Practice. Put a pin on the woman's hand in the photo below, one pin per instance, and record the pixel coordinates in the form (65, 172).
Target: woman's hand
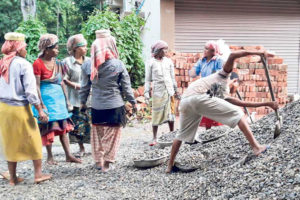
(43, 117)
(83, 107)
(77, 86)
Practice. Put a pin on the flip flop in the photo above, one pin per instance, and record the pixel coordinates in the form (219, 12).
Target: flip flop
(98, 168)
(153, 143)
(264, 151)
(174, 170)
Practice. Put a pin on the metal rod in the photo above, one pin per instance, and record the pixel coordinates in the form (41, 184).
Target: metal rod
(263, 59)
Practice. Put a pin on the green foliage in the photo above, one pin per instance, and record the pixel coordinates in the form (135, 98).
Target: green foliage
(127, 33)
(10, 15)
(63, 13)
(86, 7)
(33, 29)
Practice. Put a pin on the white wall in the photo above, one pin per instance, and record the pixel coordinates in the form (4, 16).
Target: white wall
(151, 32)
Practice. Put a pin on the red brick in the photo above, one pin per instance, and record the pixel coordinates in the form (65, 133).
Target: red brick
(278, 60)
(186, 72)
(190, 60)
(181, 72)
(254, 59)
(179, 84)
(249, 48)
(141, 90)
(244, 60)
(233, 47)
(176, 71)
(187, 78)
(177, 78)
(259, 71)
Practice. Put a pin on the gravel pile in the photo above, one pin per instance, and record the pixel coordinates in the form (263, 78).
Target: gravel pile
(272, 175)
(168, 137)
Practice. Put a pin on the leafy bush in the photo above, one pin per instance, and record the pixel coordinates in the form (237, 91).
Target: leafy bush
(127, 33)
(32, 29)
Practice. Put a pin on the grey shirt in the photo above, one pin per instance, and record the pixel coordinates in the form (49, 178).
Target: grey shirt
(110, 88)
(73, 74)
(21, 89)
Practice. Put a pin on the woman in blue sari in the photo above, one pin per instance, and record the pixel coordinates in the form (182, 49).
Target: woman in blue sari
(49, 73)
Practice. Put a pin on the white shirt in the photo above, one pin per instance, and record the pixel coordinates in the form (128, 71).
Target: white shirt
(161, 74)
(21, 88)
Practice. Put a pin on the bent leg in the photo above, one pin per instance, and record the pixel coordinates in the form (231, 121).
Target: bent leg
(244, 127)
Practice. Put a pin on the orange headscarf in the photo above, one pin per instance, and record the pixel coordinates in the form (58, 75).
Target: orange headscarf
(13, 44)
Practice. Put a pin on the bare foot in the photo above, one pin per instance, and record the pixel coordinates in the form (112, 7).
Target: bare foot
(51, 161)
(5, 175)
(15, 181)
(169, 169)
(261, 149)
(42, 178)
(73, 159)
(106, 167)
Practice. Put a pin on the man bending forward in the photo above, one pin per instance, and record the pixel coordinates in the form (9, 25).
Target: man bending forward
(197, 103)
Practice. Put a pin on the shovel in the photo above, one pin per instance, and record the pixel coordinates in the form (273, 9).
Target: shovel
(279, 118)
(246, 109)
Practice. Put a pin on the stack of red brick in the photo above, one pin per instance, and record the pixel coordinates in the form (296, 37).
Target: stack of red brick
(251, 72)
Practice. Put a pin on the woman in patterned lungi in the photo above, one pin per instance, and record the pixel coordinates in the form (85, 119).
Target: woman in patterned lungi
(49, 73)
(76, 46)
(160, 71)
(19, 133)
(110, 82)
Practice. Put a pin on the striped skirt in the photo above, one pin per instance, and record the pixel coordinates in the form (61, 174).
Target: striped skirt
(105, 141)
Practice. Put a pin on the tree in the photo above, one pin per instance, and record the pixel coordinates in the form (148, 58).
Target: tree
(86, 7)
(127, 32)
(10, 16)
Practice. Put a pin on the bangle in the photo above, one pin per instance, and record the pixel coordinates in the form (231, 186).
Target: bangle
(75, 86)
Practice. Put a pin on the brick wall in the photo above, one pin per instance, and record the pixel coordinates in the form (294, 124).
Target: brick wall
(254, 86)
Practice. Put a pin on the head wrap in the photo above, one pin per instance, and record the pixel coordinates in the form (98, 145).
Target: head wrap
(46, 41)
(160, 44)
(103, 48)
(212, 45)
(13, 44)
(74, 42)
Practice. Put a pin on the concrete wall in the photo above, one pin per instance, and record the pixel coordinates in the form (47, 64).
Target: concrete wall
(167, 13)
(151, 32)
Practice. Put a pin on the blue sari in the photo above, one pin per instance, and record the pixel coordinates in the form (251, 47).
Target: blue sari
(53, 96)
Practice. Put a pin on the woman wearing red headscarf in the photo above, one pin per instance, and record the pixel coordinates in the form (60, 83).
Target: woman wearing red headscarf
(209, 64)
(160, 71)
(19, 133)
(110, 85)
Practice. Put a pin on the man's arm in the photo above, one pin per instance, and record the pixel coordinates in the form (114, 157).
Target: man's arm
(228, 66)
(237, 102)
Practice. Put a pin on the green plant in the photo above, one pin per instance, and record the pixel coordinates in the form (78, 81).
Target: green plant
(127, 33)
(32, 29)
(10, 15)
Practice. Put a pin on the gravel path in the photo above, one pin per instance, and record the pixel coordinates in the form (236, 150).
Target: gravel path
(273, 175)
